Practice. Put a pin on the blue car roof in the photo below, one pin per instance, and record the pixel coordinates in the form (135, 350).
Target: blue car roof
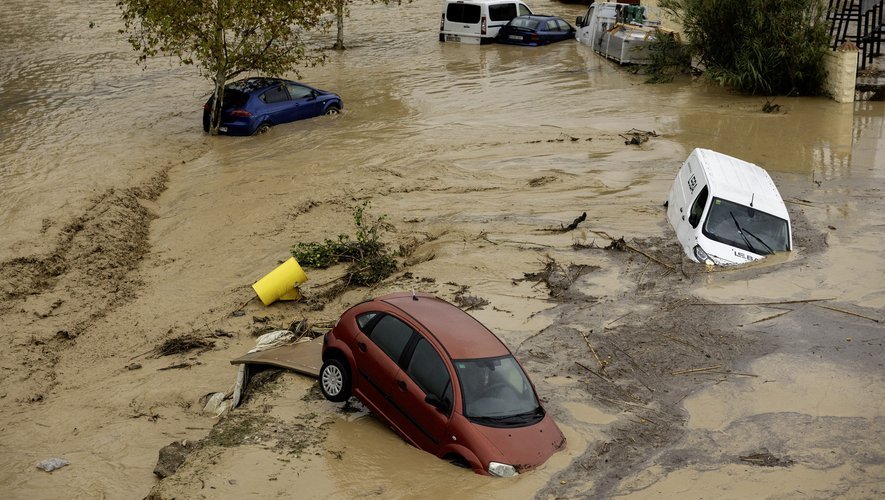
(249, 85)
(538, 17)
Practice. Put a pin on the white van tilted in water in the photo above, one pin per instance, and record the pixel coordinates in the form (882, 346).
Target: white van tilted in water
(477, 21)
(727, 211)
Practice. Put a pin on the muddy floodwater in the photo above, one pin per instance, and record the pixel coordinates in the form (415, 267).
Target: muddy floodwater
(125, 226)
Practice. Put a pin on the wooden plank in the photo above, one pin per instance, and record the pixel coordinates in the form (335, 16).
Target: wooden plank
(304, 358)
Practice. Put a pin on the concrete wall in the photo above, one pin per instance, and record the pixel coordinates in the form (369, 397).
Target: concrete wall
(841, 67)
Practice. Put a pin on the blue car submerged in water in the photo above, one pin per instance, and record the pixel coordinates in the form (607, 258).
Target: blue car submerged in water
(254, 105)
(535, 30)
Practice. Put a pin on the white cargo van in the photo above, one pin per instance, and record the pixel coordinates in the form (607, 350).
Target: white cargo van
(477, 21)
(619, 31)
(727, 211)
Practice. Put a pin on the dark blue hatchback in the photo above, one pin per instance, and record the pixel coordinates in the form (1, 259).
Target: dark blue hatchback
(535, 30)
(253, 105)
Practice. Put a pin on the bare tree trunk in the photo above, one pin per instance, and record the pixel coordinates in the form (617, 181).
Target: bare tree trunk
(220, 77)
(217, 103)
(339, 17)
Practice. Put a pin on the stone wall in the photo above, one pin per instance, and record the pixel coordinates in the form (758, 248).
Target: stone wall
(841, 67)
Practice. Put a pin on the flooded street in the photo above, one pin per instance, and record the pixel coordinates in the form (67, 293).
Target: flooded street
(125, 225)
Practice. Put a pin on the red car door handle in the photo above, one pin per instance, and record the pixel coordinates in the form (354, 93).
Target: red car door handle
(401, 384)
(362, 346)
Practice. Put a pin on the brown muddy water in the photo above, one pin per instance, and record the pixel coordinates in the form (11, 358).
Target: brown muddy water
(124, 226)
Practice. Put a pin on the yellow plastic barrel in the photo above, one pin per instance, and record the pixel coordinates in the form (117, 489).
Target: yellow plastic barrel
(280, 283)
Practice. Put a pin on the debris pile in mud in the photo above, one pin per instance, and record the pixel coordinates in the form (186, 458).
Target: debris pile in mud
(558, 279)
(182, 344)
(766, 459)
(468, 302)
(172, 456)
(637, 137)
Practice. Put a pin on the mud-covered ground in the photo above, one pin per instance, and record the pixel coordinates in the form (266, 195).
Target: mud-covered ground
(140, 234)
(625, 343)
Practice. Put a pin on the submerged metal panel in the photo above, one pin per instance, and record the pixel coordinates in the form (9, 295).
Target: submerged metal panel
(305, 358)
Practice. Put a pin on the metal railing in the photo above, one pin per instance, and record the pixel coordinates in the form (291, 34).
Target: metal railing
(860, 22)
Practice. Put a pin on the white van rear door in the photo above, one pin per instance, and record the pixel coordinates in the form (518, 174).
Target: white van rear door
(462, 19)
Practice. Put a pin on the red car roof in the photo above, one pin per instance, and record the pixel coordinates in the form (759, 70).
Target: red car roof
(459, 333)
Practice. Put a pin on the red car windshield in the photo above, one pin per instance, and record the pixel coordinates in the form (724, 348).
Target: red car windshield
(497, 392)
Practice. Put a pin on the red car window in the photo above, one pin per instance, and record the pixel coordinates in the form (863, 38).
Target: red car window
(391, 335)
(429, 371)
(364, 320)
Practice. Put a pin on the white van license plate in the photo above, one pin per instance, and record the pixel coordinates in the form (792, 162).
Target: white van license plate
(453, 38)
(515, 37)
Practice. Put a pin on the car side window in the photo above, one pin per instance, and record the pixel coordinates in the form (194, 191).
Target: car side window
(563, 26)
(429, 371)
(697, 208)
(551, 25)
(299, 91)
(276, 94)
(502, 12)
(364, 319)
(524, 10)
(391, 335)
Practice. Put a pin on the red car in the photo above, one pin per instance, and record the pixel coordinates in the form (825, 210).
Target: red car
(440, 379)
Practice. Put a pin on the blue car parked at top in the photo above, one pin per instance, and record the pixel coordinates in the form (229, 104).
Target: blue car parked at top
(535, 30)
(254, 105)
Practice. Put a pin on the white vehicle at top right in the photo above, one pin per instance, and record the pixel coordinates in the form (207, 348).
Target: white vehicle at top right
(727, 211)
(618, 31)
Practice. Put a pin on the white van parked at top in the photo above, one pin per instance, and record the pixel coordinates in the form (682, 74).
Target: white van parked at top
(477, 21)
(727, 211)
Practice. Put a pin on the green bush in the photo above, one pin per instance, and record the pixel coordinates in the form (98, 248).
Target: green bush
(370, 261)
(757, 46)
(668, 58)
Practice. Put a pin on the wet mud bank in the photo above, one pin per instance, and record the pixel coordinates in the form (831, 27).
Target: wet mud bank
(639, 366)
(51, 299)
(617, 339)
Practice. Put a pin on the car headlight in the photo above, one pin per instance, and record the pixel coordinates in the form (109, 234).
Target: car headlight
(502, 470)
(702, 256)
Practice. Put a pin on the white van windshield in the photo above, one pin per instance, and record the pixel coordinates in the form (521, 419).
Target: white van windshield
(746, 228)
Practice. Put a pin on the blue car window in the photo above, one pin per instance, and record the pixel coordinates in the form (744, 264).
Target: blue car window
(275, 94)
(551, 25)
(299, 91)
(563, 26)
(521, 22)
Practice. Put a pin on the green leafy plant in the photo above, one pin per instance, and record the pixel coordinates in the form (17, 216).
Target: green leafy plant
(757, 46)
(369, 258)
(668, 57)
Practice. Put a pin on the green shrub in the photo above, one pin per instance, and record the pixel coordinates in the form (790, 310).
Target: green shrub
(668, 57)
(758, 46)
(369, 258)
